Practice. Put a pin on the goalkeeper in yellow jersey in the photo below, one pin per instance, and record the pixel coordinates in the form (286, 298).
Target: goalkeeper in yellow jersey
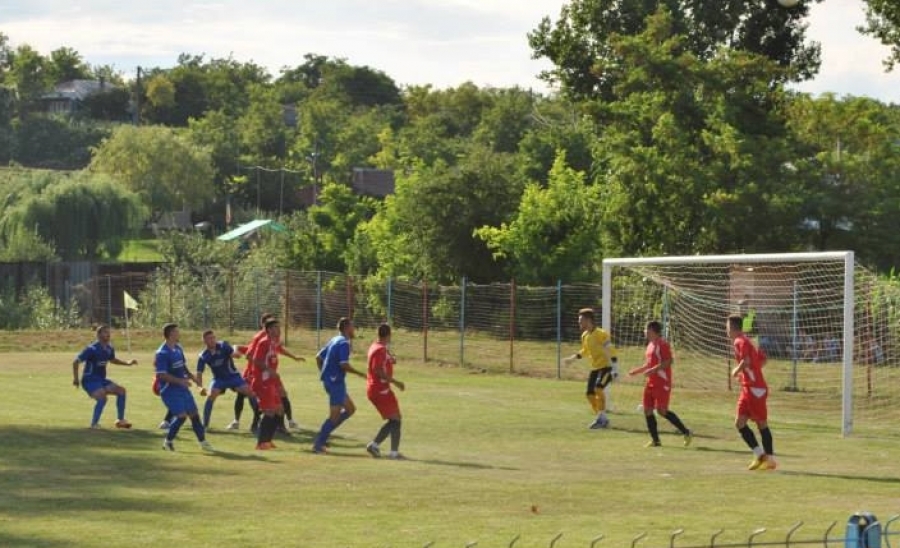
(596, 345)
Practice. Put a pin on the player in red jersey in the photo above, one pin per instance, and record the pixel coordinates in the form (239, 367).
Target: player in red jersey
(751, 403)
(264, 382)
(239, 400)
(378, 389)
(658, 389)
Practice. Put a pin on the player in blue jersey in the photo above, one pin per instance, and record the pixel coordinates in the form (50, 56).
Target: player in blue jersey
(175, 388)
(334, 362)
(219, 356)
(93, 379)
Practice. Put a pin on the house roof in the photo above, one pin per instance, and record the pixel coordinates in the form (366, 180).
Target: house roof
(247, 229)
(75, 90)
(373, 182)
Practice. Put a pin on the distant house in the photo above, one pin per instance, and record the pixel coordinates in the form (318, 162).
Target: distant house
(67, 96)
(373, 182)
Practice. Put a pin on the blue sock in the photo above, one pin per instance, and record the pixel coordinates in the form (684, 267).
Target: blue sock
(174, 428)
(207, 412)
(326, 430)
(120, 406)
(98, 410)
(344, 416)
(198, 428)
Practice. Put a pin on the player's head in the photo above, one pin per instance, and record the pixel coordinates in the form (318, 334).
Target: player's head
(209, 339)
(586, 319)
(653, 330)
(345, 327)
(264, 318)
(734, 325)
(103, 334)
(384, 332)
(170, 332)
(273, 328)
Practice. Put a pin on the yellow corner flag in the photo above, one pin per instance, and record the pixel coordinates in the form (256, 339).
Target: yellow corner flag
(130, 303)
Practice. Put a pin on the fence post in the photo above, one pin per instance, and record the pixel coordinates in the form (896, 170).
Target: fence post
(231, 301)
(108, 300)
(425, 321)
(390, 291)
(287, 299)
(205, 304)
(462, 322)
(512, 324)
(171, 297)
(558, 329)
(350, 296)
(256, 287)
(318, 309)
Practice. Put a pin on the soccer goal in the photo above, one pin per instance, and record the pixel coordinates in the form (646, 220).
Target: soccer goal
(825, 324)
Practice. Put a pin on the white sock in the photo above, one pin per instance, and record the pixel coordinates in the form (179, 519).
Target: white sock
(758, 452)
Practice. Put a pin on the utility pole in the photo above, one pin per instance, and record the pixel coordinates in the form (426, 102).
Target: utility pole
(136, 115)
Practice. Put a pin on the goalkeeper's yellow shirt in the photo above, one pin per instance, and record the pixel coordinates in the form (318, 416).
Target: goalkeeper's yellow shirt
(595, 344)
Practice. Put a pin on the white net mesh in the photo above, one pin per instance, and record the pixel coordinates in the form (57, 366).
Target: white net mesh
(794, 310)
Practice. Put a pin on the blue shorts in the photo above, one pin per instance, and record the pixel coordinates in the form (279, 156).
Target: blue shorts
(233, 381)
(179, 400)
(337, 393)
(92, 385)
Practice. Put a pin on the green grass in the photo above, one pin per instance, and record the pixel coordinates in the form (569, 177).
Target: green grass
(486, 448)
(140, 251)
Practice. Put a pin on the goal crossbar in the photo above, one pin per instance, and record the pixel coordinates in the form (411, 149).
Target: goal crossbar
(847, 257)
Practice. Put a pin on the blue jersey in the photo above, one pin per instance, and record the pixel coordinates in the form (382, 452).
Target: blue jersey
(333, 354)
(171, 361)
(219, 361)
(95, 358)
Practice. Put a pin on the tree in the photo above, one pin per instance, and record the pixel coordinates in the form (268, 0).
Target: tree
(164, 168)
(553, 235)
(883, 22)
(579, 42)
(83, 216)
(29, 74)
(67, 64)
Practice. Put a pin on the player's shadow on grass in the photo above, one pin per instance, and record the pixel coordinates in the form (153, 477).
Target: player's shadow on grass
(849, 477)
(31, 541)
(458, 464)
(61, 472)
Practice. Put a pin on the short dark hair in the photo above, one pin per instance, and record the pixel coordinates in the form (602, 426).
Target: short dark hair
(654, 326)
(265, 317)
(207, 332)
(343, 323)
(384, 330)
(736, 322)
(100, 328)
(168, 328)
(271, 322)
(587, 313)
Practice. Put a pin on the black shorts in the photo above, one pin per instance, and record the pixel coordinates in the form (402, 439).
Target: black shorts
(599, 379)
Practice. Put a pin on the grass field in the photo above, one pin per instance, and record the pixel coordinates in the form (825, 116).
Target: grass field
(140, 251)
(494, 456)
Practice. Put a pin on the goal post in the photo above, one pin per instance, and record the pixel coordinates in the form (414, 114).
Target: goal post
(793, 304)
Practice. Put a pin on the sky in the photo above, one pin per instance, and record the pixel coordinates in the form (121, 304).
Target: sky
(438, 42)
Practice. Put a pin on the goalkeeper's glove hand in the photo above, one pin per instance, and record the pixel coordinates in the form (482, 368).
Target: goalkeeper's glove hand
(568, 360)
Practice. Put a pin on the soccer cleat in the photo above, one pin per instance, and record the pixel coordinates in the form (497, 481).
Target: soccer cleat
(164, 425)
(653, 443)
(688, 438)
(293, 425)
(264, 446)
(206, 446)
(122, 423)
(168, 445)
(233, 425)
(319, 450)
(373, 449)
(601, 422)
(394, 455)
(757, 462)
(770, 463)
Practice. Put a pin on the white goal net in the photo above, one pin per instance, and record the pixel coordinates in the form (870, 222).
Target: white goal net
(828, 327)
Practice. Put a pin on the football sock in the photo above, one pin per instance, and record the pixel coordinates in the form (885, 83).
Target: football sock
(601, 401)
(207, 412)
(749, 437)
(174, 428)
(98, 410)
(120, 406)
(286, 403)
(592, 399)
(267, 426)
(198, 428)
(239, 406)
(676, 422)
(395, 435)
(169, 416)
(651, 427)
(385, 431)
(344, 416)
(768, 444)
(326, 430)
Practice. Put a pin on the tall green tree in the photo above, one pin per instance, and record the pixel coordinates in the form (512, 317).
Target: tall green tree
(67, 64)
(578, 43)
(165, 168)
(883, 22)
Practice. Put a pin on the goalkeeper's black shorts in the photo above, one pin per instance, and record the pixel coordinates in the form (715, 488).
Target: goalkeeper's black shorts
(599, 379)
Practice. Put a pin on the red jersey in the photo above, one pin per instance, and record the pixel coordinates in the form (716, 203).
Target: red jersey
(657, 352)
(265, 350)
(751, 374)
(379, 357)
